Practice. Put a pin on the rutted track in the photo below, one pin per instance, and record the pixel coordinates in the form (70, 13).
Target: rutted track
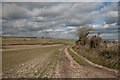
(55, 63)
(68, 68)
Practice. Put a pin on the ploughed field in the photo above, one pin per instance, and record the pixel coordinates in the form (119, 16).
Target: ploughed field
(45, 58)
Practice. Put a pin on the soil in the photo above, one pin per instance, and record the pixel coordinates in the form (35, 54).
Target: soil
(46, 66)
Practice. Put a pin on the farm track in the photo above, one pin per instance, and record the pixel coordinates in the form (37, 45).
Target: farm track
(69, 68)
(48, 65)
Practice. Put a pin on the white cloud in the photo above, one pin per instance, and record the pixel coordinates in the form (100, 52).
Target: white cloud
(54, 19)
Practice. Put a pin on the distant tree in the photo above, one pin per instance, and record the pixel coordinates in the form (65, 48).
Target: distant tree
(83, 32)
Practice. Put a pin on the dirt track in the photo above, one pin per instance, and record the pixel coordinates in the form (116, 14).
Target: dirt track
(63, 66)
(68, 68)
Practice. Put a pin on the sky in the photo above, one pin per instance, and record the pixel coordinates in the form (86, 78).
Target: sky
(59, 19)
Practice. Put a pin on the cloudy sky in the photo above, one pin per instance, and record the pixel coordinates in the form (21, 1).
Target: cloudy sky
(59, 19)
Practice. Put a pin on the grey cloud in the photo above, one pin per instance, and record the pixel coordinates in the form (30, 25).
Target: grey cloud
(13, 11)
(111, 17)
(51, 19)
(70, 13)
(110, 36)
(111, 13)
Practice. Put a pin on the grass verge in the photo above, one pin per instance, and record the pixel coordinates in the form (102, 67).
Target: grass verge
(76, 58)
(95, 58)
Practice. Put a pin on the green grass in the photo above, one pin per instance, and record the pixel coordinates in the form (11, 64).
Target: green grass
(94, 57)
(76, 58)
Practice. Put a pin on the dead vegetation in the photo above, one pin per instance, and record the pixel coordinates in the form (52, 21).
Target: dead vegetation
(94, 48)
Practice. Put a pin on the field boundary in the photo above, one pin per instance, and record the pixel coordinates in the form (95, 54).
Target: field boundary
(94, 64)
